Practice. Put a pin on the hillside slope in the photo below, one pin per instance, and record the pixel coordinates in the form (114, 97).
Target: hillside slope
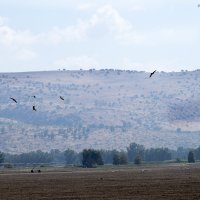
(101, 109)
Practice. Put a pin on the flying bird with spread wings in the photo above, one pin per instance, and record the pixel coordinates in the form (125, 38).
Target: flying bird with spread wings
(13, 99)
(152, 73)
(34, 109)
(62, 98)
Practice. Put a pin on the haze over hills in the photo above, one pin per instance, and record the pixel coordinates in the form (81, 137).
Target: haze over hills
(101, 109)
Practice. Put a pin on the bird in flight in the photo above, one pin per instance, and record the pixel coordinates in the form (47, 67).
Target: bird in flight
(61, 98)
(152, 73)
(13, 99)
(34, 108)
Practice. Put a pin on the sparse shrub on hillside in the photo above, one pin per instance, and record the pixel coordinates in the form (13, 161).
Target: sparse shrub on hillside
(178, 130)
(2, 130)
(112, 128)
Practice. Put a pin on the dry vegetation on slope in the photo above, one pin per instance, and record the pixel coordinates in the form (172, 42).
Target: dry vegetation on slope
(102, 109)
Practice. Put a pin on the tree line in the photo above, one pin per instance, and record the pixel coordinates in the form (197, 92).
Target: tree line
(134, 153)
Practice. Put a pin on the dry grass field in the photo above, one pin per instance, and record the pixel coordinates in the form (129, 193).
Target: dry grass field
(170, 181)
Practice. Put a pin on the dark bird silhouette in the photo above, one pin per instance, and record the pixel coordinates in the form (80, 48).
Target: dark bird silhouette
(13, 99)
(152, 73)
(32, 170)
(61, 98)
(34, 108)
(31, 96)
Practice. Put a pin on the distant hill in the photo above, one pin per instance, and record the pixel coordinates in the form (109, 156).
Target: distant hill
(101, 109)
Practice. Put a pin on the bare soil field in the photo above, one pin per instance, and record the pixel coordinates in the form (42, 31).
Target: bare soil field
(170, 181)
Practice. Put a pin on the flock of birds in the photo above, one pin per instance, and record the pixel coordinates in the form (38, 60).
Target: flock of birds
(61, 97)
(33, 107)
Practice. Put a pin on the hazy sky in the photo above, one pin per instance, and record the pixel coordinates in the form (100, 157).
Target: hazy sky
(73, 34)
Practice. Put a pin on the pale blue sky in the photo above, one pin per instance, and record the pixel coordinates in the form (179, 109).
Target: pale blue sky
(123, 34)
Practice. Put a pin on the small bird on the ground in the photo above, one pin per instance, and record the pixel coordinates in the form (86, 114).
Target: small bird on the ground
(13, 99)
(34, 108)
(152, 73)
(62, 98)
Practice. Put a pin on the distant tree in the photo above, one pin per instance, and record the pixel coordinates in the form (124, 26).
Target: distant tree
(116, 159)
(181, 153)
(8, 166)
(1, 157)
(57, 155)
(191, 158)
(91, 158)
(107, 156)
(178, 160)
(123, 158)
(137, 160)
(41, 157)
(120, 158)
(31, 157)
(157, 154)
(197, 153)
(71, 156)
(134, 150)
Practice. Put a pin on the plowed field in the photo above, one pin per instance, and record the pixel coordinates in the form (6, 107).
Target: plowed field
(180, 181)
